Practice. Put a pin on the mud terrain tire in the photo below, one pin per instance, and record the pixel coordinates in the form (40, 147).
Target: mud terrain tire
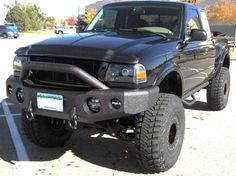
(218, 90)
(45, 131)
(159, 134)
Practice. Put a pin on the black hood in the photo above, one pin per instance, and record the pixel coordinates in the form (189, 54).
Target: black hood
(110, 47)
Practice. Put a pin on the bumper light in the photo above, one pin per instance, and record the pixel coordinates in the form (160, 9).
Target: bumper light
(20, 95)
(116, 104)
(94, 105)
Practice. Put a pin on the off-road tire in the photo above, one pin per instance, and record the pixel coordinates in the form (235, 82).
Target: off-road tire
(159, 134)
(46, 131)
(218, 90)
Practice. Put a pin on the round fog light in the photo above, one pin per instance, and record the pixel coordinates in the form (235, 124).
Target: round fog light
(116, 104)
(20, 95)
(94, 105)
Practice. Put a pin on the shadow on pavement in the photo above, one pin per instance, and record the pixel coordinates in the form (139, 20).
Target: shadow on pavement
(108, 152)
(102, 151)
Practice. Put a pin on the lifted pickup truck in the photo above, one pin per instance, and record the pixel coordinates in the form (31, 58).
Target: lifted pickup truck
(128, 73)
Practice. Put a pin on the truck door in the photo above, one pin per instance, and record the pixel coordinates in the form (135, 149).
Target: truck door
(208, 51)
(194, 62)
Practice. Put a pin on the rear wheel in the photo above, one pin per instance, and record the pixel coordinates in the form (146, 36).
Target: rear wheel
(160, 133)
(46, 131)
(218, 90)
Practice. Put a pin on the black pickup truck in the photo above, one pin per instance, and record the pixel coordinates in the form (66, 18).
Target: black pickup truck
(128, 73)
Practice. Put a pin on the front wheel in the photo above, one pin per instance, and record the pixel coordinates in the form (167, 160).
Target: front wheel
(46, 131)
(5, 36)
(218, 90)
(159, 134)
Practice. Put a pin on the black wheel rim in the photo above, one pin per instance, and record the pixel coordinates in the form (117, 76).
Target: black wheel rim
(225, 89)
(172, 134)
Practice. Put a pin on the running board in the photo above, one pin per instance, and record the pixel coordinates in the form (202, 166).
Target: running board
(191, 93)
(190, 102)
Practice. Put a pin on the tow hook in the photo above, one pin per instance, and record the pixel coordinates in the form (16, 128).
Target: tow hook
(30, 112)
(73, 123)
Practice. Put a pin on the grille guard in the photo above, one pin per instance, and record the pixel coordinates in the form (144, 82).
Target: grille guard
(62, 68)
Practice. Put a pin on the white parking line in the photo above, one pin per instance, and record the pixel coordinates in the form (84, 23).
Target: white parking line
(17, 141)
(3, 115)
(26, 169)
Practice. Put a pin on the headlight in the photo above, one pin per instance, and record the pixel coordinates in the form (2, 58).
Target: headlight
(17, 64)
(126, 73)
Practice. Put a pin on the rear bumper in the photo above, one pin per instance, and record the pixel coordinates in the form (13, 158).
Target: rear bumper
(132, 101)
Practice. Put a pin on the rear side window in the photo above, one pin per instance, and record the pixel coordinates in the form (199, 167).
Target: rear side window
(193, 21)
(205, 24)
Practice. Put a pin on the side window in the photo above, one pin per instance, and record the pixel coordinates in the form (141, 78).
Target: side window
(2, 28)
(193, 21)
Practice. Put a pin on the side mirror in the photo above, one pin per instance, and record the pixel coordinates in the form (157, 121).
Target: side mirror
(198, 35)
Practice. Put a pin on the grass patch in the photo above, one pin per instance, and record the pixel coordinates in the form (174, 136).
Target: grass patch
(46, 32)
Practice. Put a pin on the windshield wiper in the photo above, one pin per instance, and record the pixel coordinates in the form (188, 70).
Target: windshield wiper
(98, 30)
(148, 31)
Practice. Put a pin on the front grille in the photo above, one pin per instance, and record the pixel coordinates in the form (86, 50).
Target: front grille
(63, 79)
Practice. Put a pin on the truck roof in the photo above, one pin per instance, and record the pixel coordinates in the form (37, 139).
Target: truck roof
(151, 2)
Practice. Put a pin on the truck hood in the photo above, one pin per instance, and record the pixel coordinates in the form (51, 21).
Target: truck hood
(109, 47)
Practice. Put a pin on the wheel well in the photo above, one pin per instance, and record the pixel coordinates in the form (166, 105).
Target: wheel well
(172, 84)
(226, 62)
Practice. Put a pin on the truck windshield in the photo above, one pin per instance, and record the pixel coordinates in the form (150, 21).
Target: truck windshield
(164, 20)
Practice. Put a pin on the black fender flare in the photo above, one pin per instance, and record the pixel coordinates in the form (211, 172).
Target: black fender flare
(221, 52)
(166, 69)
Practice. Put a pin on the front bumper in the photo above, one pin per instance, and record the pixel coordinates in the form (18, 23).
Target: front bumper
(13, 35)
(132, 101)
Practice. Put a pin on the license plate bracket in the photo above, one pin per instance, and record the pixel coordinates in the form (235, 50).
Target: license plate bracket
(51, 102)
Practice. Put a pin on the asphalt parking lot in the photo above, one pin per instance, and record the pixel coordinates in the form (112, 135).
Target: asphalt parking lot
(209, 147)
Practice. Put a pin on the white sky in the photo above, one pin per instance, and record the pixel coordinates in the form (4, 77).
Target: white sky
(57, 8)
